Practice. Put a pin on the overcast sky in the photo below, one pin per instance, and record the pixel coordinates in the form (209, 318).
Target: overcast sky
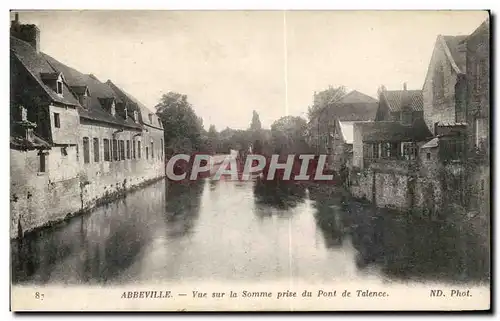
(232, 62)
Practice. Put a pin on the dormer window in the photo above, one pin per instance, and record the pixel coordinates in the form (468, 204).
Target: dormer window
(113, 108)
(126, 113)
(150, 118)
(59, 87)
(54, 80)
(136, 116)
(83, 94)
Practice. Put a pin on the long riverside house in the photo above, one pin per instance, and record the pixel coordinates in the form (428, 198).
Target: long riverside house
(75, 141)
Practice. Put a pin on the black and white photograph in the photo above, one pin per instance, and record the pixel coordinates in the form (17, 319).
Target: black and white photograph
(250, 160)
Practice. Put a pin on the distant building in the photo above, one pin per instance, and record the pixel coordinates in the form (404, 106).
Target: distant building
(74, 141)
(331, 132)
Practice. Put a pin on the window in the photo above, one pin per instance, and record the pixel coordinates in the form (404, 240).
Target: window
(409, 151)
(394, 150)
(122, 150)
(139, 149)
(113, 108)
(152, 150)
(59, 87)
(375, 150)
(147, 153)
(64, 151)
(150, 118)
(96, 150)
(115, 150)
(107, 154)
(57, 120)
(133, 149)
(481, 131)
(386, 150)
(128, 149)
(161, 148)
(86, 151)
(428, 156)
(42, 165)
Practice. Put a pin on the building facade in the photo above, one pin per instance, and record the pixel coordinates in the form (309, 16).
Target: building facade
(74, 142)
(478, 119)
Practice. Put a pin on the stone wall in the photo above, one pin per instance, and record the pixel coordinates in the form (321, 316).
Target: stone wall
(437, 108)
(36, 200)
(69, 185)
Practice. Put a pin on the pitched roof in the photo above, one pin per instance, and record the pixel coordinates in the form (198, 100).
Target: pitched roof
(100, 92)
(357, 97)
(397, 99)
(456, 53)
(433, 143)
(390, 131)
(40, 69)
(143, 110)
(354, 106)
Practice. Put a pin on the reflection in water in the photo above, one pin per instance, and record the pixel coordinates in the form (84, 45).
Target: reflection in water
(227, 230)
(328, 214)
(182, 207)
(279, 195)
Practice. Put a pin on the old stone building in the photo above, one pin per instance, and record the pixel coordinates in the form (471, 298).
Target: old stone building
(445, 88)
(414, 155)
(478, 119)
(75, 141)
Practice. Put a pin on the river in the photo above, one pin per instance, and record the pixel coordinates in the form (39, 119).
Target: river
(231, 231)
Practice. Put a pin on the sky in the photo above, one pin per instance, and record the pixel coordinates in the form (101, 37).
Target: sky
(230, 63)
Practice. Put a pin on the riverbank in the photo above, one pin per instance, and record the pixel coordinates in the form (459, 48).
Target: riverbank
(81, 192)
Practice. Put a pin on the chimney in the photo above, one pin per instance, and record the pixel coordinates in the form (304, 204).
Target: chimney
(404, 86)
(27, 33)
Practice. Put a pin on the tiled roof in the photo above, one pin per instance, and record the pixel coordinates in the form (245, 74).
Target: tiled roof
(38, 67)
(99, 93)
(391, 131)
(397, 99)
(143, 110)
(457, 46)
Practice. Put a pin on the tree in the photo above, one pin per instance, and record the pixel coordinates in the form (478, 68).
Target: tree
(289, 135)
(182, 127)
(323, 99)
(255, 125)
(213, 141)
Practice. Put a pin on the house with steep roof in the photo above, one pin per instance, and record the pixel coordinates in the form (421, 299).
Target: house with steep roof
(445, 98)
(74, 139)
(332, 133)
(396, 133)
